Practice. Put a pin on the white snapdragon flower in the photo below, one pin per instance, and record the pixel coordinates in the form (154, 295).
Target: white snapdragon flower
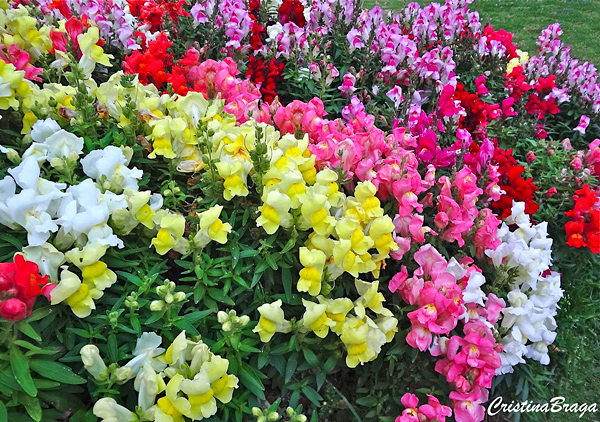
(146, 349)
(7, 190)
(108, 410)
(62, 144)
(534, 296)
(86, 210)
(111, 163)
(273, 31)
(29, 210)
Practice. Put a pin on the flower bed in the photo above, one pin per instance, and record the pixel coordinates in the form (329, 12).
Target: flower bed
(283, 210)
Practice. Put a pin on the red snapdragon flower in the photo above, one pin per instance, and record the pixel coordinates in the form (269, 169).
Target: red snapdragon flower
(20, 285)
(584, 229)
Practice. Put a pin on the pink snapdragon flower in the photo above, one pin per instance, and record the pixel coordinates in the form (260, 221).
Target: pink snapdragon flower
(584, 121)
(347, 87)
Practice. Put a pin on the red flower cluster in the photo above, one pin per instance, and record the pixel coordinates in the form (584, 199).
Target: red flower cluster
(152, 12)
(511, 182)
(538, 102)
(505, 38)
(584, 230)
(479, 113)
(292, 11)
(20, 285)
(266, 74)
(153, 64)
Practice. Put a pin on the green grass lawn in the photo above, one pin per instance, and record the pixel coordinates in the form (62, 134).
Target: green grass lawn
(579, 19)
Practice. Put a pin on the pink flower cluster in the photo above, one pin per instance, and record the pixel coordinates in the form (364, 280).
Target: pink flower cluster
(435, 292)
(445, 293)
(433, 411)
(21, 60)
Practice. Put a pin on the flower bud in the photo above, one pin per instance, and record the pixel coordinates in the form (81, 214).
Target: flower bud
(162, 291)
(157, 305)
(179, 297)
(90, 355)
(13, 156)
(72, 158)
(227, 326)
(123, 374)
(244, 320)
(128, 153)
(256, 412)
(169, 298)
(57, 163)
(222, 317)
(170, 372)
(273, 417)
(13, 309)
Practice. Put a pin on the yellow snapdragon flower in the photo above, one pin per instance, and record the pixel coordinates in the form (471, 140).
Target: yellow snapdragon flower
(212, 382)
(337, 309)
(172, 407)
(234, 173)
(170, 233)
(274, 213)
(92, 53)
(79, 296)
(211, 227)
(316, 318)
(355, 336)
(380, 231)
(365, 195)
(315, 212)
(271, 321)
(10, 81)
(370, 298)
(311, 274)
(94, 272)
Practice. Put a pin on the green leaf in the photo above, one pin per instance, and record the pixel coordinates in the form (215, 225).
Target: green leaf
(113, 348)
(311, 358)
(3, 413)
(184, 324)
(26, 329)
(20, 368)
(39, 314)
(32, 406)
(7, 379)
(220, 296)
(290, 368)
(196, 316)
(251, 382)
(312, 395)
(56, 371)
(286, 278)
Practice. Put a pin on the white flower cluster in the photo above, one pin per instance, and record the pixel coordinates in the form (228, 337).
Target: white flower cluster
(75, 214)
(525, 256)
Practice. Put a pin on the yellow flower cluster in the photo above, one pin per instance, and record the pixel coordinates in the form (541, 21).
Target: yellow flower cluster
(517, 61)
(19, 28)
(197, 378)
(12, 86)
(362, 335)
(80, 294)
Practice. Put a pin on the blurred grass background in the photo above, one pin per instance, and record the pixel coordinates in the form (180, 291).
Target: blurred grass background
(525, 19)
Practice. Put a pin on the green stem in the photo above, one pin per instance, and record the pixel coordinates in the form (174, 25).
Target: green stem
(345, 401)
